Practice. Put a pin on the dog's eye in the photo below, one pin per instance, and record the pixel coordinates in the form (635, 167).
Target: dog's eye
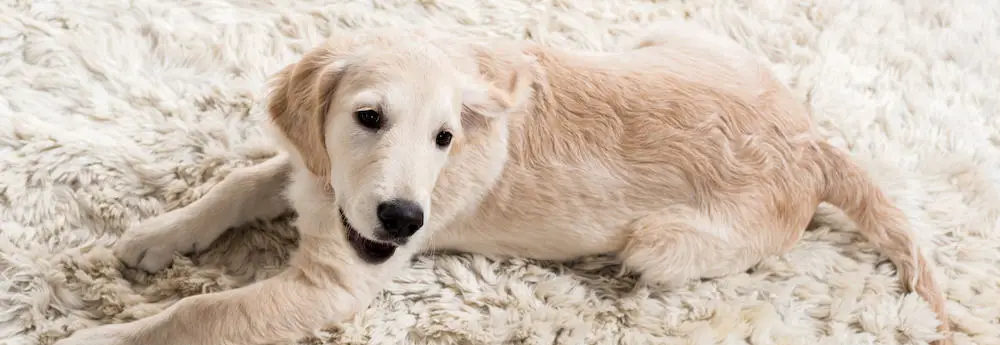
(369, 118)
(443, 138)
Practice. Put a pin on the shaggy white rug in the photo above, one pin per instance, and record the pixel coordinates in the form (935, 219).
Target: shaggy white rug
(113, 111)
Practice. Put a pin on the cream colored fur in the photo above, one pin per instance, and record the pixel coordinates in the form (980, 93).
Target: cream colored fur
(685, 157)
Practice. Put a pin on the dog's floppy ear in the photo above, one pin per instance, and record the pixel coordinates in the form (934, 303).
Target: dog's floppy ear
(299, 101)
(503, 83)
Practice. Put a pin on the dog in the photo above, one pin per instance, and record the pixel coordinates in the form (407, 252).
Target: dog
(683, 155)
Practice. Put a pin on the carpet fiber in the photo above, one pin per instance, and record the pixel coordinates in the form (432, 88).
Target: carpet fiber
(114, 111)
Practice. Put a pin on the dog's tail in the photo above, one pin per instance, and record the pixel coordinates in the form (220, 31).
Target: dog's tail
(848, 187)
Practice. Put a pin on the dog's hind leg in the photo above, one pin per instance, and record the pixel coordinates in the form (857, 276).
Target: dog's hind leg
(246, 194)
(680, 244)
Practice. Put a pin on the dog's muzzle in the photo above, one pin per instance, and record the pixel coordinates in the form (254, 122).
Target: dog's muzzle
(373, 252)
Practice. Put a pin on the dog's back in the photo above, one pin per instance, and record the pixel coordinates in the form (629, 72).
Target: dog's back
(611, 137)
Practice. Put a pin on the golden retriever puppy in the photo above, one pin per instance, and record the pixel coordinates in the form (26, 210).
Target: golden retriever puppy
(684, 156)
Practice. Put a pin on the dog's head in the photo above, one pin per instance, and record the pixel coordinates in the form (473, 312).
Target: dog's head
(379, 114)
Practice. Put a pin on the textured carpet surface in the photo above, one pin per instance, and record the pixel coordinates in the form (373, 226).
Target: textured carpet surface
(114, 111)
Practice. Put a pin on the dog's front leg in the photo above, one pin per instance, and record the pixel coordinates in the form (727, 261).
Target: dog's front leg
(248, 193)
(326, 282)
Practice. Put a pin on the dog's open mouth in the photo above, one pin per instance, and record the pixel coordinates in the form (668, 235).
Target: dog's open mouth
(370, 251)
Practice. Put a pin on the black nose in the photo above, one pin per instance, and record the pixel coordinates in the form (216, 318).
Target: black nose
(400, 218)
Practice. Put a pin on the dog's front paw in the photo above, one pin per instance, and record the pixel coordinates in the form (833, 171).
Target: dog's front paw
(150, 246)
